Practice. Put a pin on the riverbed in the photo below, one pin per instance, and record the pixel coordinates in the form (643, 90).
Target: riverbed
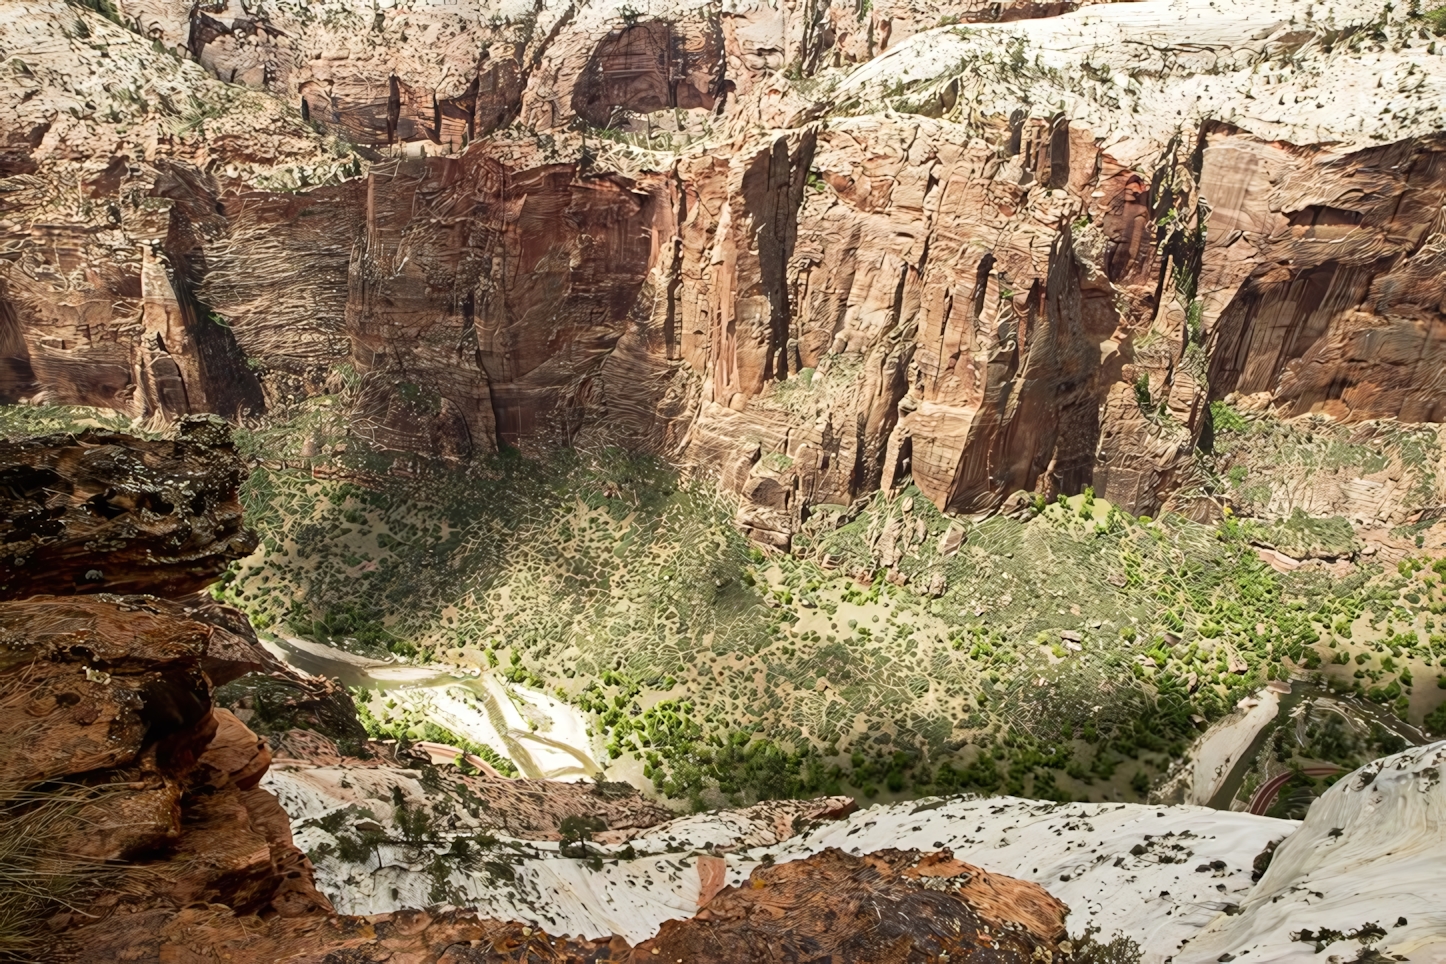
(544, 737)
(1362, 712)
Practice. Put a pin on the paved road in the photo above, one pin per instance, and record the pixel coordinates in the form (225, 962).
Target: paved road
(1265, 796)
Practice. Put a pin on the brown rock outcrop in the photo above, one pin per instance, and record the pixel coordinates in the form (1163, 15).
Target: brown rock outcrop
(107, 693)
(101, 512)
(109, 699)
(273, 697)
(1326, 291)
(886, 908)
(889, 906)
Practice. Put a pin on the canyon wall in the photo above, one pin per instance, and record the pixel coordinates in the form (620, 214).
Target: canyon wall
(136, 828)
(808, 249)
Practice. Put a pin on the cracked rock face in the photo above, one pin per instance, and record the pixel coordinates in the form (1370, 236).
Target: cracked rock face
(888, 906)
(809, 250)
(102, 512)
(107, 696)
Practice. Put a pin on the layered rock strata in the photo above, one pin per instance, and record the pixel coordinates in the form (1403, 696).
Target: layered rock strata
(1065, 237)
(108, 697)
(102, 512)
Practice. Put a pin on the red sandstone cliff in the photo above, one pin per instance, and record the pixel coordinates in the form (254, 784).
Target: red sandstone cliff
(980, 293)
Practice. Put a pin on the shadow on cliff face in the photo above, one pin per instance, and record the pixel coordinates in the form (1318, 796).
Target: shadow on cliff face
(17, 376)
(651, 66)
(209, 362)
(132, 825)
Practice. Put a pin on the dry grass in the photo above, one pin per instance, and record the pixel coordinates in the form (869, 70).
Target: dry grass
(38, 881)
(38, 876)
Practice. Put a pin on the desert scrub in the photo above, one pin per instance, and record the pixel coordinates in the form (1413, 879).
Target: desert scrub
(716, 671)
(20, 421)
(407, 724)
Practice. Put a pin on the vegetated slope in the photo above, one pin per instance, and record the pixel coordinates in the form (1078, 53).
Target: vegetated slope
(1059, 654)
(132, 825)
(140, 669)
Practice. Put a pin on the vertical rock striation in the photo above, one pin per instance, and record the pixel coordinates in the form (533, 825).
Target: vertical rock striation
(700, 232)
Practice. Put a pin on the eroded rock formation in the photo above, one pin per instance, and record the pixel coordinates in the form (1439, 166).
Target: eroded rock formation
(107, 693)
(889, 906)
(135, 801)
(895, 907)
(101, 512)
(691, 231)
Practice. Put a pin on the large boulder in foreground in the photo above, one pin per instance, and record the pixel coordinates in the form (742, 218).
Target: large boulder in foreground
(894, 905)
(114, 761)
(104, 512)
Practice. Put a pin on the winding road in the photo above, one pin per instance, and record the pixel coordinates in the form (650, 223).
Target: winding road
(1265, 795)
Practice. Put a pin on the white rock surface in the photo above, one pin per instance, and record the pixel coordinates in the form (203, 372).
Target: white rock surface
(1372, 851)
(1082, 853)
(1176, 879)
(1085, 854)
(1140, 73)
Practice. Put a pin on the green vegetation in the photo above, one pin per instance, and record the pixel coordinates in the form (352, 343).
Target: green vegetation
(1257, 462)
(406, 725)
(719, 673)
(1226, 419)
(1142, 393)
(1090, 949)
(1300, 536)
(1317, 737)
(894, 652)
(18, 421)
(1436, 721)
(106, 8)
(576, 833)
(1436, 18)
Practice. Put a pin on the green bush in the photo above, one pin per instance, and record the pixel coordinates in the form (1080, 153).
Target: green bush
(1226, 419)
(1436, 720)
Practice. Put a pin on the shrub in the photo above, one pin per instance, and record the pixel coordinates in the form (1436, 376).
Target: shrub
(576, 832)
(1143, 393)
(1223, 418)
(1436, 720)
(1089, 949)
